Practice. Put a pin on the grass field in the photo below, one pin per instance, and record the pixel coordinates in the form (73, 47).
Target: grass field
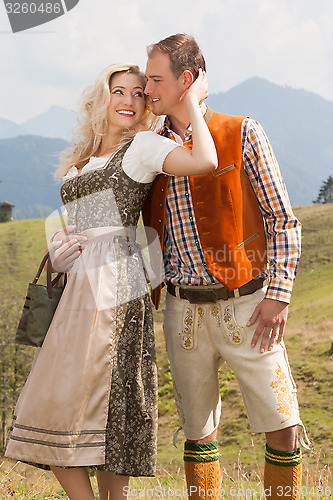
(308, 336)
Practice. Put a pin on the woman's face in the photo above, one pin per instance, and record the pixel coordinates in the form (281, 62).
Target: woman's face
(127, 103)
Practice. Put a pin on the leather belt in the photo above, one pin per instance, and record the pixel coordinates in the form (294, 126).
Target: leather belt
(212, 293)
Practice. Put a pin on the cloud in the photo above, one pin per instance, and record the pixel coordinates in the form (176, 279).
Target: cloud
(286, 42)
(280, 42)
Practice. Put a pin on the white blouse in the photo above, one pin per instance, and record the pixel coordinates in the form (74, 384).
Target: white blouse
(142, 161)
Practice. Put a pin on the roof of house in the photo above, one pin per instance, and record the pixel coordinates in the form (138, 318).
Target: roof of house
(6, 203)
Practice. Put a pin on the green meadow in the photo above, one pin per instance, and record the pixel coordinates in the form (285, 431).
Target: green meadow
(309, 338)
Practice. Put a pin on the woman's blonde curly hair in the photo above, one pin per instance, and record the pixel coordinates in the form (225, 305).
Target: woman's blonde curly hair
(92, 122)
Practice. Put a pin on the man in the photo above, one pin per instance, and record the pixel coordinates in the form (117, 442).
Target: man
(231, 246)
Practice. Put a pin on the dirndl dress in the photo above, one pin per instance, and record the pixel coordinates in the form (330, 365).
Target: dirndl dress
(91, 396)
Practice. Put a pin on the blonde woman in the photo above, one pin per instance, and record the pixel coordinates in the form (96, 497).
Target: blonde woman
(91, 397)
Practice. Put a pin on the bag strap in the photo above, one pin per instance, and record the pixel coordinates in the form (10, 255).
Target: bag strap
(41, 267)
(49, 282)
(57, 278)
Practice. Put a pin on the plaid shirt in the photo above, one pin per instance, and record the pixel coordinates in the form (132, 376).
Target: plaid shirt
(184, 259)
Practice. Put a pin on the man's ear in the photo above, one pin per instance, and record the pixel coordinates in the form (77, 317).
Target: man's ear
(188, 78)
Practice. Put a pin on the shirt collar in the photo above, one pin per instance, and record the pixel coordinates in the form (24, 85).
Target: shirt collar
(167, 131)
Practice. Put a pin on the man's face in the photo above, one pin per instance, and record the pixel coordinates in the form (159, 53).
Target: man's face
(163, 88)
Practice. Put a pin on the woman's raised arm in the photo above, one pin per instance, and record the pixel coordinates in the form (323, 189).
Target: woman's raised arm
(202, 158)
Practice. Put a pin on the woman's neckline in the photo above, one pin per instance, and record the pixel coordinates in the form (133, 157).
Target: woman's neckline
(106, 158)
(112, 153)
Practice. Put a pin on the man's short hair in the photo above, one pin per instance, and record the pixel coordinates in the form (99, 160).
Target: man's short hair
(183, 51)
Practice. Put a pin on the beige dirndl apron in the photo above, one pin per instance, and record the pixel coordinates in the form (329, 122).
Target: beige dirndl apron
(62, 412)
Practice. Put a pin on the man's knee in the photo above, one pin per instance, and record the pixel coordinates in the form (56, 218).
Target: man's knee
(283, 439)
(206, 439)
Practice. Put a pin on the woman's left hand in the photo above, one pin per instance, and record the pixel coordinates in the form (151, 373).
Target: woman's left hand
(64, 254)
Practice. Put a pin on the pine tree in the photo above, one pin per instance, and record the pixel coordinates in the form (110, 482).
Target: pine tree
(325, 192)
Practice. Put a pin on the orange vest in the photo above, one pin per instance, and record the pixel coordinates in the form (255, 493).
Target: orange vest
(229, 221)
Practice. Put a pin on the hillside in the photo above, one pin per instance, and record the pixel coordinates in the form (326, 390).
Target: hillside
(308, 338)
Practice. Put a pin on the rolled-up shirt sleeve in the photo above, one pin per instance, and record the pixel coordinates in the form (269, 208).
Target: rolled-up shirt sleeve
(283, 229)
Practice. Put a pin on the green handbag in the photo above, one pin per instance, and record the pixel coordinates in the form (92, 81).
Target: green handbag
(39, 307)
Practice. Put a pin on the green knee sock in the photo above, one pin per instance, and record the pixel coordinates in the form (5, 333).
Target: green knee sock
(203, 452)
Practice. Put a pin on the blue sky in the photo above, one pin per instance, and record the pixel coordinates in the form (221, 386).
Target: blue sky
(288, 42)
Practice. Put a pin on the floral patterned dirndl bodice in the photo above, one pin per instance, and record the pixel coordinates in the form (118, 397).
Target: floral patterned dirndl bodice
(106, 196)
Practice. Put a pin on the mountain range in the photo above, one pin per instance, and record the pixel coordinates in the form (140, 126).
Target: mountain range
(297, 122)
(56, 122)
(27, 163)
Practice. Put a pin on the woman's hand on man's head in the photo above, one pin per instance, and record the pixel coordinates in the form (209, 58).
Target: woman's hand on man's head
(199, 88)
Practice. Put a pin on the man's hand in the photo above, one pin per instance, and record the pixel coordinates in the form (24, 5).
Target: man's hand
(65, 248)
(272, 315)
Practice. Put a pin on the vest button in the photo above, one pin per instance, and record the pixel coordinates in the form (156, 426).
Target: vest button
(162, 190)
(160, 204)
(160, 221)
